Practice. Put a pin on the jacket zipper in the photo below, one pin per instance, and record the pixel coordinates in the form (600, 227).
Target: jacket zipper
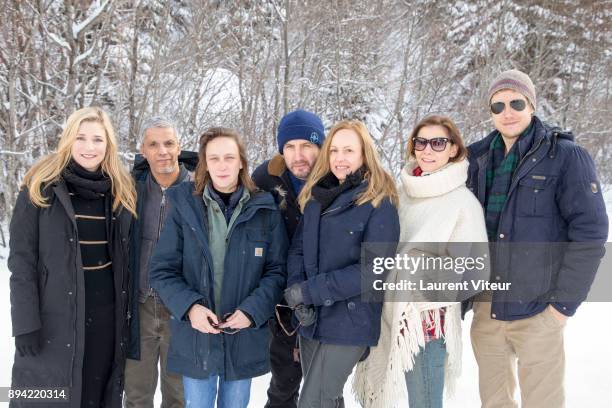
(532, 151)
(162, 211)
(76, 310)
(529, 153)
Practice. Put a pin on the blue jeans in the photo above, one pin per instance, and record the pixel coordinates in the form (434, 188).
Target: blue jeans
(229, 394)
(425, 383)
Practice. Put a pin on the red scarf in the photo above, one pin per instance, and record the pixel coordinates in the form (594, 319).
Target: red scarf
(430, 332)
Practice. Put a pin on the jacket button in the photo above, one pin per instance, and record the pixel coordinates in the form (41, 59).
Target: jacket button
(70, 293)
(71, 240)
(351, 305)
(534, 159)
(493, 315)
(535, 191)
(68, 345)
(497, 278)
(502, 236)
(328, 302)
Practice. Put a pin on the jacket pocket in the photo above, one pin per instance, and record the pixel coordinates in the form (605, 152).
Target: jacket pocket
(183, 339)
(251, 346)
(530, 274)
(353, 236)
(358, 312)
(258, 240)
(536, 196)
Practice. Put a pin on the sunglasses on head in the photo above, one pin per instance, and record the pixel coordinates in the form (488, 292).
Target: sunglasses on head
(437, 144)
(516, 104)
(226, 330)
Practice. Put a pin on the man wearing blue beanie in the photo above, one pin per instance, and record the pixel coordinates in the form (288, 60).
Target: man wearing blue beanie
(299, 136)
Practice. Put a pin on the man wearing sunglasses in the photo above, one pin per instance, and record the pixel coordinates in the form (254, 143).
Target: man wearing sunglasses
(537, 186)
(299, 136)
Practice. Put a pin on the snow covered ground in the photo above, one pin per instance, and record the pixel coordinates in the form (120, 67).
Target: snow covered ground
(588, 354)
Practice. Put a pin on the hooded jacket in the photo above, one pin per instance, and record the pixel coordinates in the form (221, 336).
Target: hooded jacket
(555, 201)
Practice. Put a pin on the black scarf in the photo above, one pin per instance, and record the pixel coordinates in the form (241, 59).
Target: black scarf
(90, 185)
(328, 188)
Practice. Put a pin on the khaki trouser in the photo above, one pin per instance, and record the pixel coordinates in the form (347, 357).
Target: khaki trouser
(141, 375)
(533, 345)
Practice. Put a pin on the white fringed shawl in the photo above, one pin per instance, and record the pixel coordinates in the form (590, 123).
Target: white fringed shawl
(433, 208)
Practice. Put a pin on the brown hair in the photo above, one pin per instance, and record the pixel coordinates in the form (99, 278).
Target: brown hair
(380, 183)
(451, 129)
(202, 177)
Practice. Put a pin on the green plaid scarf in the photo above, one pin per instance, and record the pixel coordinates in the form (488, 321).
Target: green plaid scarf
(500, 169)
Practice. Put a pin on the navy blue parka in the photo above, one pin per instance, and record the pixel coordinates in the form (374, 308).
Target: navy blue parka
(555, 197)
(325, 256)
(254, 278)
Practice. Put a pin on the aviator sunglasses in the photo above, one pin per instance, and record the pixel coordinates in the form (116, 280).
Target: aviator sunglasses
(438, 144)
(516, 104)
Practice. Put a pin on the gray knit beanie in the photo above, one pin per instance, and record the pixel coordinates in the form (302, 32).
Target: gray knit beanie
(515, 80)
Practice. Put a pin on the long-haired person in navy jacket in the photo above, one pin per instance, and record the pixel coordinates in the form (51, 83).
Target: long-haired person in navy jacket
(348, 200)
(219, 267)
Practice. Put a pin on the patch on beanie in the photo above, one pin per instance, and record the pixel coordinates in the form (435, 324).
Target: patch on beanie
(314, 138)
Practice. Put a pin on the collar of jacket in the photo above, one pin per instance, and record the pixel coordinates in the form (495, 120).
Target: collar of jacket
(193, 209)
(211, 197)
(345, 199)
(277, 166)
(542, 132)
(448, 178)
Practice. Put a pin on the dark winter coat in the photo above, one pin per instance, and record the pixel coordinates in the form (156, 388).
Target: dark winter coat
(140, 172)
(554, 197)
(48, 294)
(273, 176)
(253, 280)
(325, 253)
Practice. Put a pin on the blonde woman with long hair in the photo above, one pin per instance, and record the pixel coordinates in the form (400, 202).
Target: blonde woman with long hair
(348, 200)
(69, 266)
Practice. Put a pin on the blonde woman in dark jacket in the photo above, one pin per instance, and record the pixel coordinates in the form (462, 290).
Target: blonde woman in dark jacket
(69, 267)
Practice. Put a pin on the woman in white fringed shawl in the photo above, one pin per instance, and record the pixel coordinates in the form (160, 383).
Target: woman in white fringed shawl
(419, 351)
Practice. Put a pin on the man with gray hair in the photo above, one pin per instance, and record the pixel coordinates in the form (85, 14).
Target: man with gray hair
(159, 165)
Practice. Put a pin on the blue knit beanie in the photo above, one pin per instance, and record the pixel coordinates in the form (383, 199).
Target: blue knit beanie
(300, 124)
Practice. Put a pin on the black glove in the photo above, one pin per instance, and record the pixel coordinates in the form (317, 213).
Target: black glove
(307, 315)
(28, 345)
(294, 295)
